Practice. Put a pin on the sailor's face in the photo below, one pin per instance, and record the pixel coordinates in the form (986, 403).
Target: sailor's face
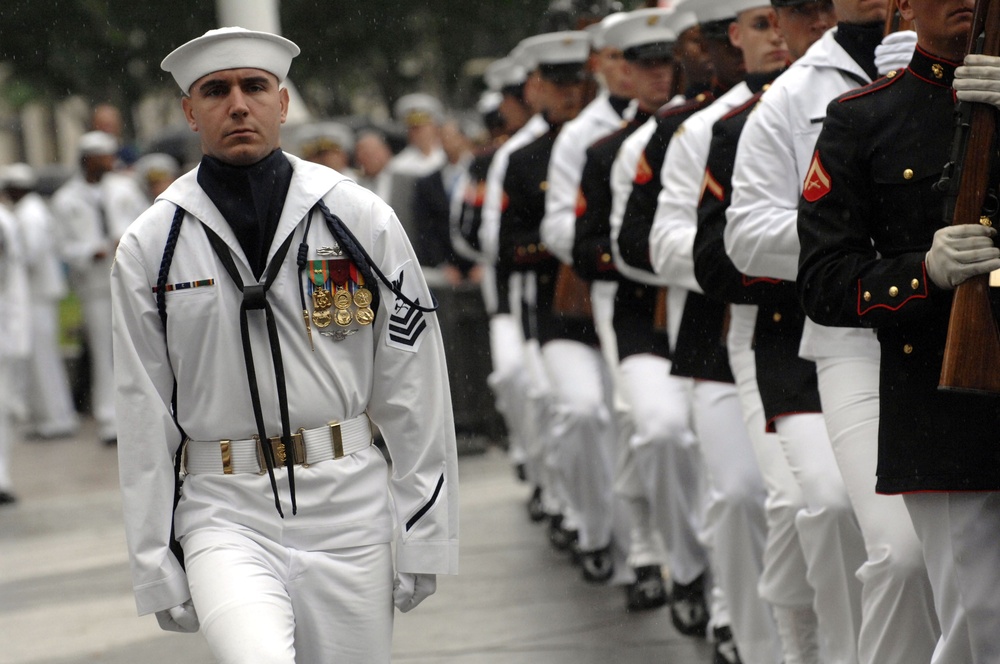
(238, 114)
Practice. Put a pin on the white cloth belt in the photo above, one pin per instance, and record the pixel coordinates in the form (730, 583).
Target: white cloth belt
(333, 441)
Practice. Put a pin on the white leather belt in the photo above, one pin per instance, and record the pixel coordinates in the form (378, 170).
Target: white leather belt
(232, 457)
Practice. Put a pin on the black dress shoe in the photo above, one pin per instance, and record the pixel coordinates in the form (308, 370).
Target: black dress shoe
(647, 591)
(688, 611)
(725, 646)
(7, 498)
(561, 538)
(597, 566)
(536, 512)
(110, 442)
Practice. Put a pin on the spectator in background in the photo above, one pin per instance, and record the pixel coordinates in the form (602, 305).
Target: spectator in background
(154, 173)
(14, 338)
(422, 115)
(108, 118)
(431, 209)
(329, 144)
(48, 397)
(372, 156)
(92, 210)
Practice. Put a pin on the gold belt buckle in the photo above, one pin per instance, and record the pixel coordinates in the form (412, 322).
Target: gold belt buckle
(336, 439)
(279, 451)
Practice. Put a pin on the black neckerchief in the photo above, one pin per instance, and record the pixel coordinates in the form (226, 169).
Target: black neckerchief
(860, 40)
(756, 82)
(619, 104)
(251, 199)
(641, 116)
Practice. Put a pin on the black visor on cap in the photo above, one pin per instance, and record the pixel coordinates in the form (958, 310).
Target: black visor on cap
(716, 30)
(563, 74)
(791, 3)
(652, 51)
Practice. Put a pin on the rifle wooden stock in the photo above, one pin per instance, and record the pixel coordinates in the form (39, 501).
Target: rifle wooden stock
(972, 351)
(893, 21)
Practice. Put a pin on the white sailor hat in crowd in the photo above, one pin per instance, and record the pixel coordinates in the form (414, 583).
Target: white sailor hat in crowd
(559, 56)
(523, 58)
(155, 167)
(489, 102)
(97, 143)
(418, 109)
(709, 11)
(504, 73)
(18, 176)
(644, 34)
(229, 48)
(323, 136)
(598, 31)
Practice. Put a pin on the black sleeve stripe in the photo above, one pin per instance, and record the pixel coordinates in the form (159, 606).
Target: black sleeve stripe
(427, 506)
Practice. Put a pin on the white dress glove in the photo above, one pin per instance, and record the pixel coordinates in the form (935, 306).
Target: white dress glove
(960, 252)
(895, 51)
(979, 80)
(408, 589)
(181, 618)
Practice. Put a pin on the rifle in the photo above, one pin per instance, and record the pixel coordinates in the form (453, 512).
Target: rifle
(972, 351)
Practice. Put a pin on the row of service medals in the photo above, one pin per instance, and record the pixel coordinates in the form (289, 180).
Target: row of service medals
(339, 294)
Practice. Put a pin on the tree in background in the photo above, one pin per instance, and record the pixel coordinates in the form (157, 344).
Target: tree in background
(111, 49)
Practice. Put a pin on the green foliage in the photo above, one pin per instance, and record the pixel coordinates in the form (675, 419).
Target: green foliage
(111, 49)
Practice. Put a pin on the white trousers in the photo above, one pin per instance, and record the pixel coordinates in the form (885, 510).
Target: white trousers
(97, 320)
(829, 533)
(667, 459)
(959, 536)
(261, 603)
(735, 523)
(783, 580)
(50, 401)
(582, 436)
(6, 422)
(507, 379)
(896, 594)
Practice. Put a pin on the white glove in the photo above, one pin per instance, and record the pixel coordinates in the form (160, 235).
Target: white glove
(895, 51)
(979, 80)
(408, 589)
(960, 252)
(181, 618)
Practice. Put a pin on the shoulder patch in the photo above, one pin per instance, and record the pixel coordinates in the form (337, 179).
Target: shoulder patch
(406, 324)
(643, 171)
(817, 183)
(712, 186)
(872, 87)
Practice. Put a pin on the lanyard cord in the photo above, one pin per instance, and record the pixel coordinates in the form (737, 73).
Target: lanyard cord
(361, 258)
(161, 309)
(301, 260)
(255, 298)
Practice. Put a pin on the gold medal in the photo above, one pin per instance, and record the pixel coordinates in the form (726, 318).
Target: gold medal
(343, 317)
(321, 298)
(322, 318)
(362, 297)
(364, 316)
(342, 299)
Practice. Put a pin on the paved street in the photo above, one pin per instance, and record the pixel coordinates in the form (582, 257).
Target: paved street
(65, 595)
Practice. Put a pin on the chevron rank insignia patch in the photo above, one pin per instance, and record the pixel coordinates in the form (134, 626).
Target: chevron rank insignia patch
(818, 183)
(406, 323)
